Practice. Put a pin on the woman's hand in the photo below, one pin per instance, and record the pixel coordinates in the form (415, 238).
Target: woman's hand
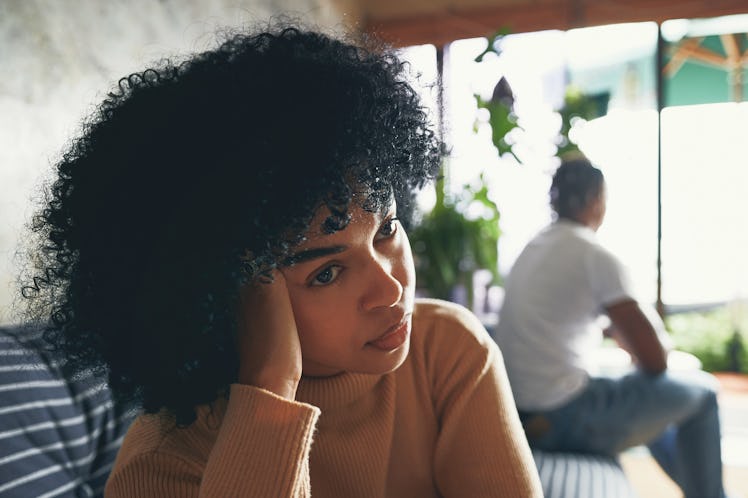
(269, 349)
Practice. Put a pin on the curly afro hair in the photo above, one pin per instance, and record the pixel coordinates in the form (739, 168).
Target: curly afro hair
(575, 183)
(191, 179)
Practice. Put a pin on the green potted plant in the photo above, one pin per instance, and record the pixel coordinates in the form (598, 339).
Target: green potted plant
(449, 244)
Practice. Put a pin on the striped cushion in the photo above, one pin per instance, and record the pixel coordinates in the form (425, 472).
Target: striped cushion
(573, 475)
(58, 436)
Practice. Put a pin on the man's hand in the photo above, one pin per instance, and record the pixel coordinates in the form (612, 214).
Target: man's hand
(635, 333)
(269, 349)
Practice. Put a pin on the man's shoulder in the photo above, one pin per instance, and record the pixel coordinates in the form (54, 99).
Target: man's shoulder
(583, 244)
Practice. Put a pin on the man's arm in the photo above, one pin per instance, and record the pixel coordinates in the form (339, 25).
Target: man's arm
(636, 334)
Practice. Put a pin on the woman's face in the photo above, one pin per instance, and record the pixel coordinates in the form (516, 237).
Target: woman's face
(352, 295)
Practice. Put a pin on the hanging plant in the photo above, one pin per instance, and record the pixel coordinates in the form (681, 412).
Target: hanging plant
(578, 107)
(460, 235)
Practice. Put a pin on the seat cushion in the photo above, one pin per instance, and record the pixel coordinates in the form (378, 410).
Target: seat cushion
(576, 475)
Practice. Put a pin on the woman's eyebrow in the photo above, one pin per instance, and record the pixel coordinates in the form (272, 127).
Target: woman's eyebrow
(310, 254)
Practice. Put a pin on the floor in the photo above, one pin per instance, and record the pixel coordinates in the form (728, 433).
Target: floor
(651, 482)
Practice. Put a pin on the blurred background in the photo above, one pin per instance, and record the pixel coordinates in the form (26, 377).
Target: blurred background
(59, 58)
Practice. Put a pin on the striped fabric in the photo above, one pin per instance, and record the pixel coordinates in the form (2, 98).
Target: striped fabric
(572, 475)
(58, 437)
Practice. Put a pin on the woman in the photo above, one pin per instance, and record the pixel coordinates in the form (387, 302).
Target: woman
(225, 239)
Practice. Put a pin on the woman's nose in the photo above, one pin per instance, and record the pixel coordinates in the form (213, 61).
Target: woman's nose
(382, 288)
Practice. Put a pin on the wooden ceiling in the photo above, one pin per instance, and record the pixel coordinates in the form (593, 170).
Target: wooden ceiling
(416, 22)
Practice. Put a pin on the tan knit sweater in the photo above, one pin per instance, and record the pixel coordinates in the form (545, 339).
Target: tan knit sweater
(442, 425)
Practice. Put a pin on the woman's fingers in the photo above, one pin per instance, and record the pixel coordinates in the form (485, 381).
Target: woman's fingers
(269, 349)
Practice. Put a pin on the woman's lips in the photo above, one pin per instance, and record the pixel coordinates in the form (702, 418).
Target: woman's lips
(392, 339)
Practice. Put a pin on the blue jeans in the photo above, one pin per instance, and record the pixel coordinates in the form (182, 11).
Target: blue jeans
(675, 414)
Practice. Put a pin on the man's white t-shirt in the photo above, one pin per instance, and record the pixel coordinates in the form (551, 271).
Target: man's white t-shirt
(554, 294)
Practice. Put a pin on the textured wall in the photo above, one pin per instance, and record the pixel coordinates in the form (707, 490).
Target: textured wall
(58, 57)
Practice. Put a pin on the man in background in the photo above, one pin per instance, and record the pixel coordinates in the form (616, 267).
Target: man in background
(548, 331)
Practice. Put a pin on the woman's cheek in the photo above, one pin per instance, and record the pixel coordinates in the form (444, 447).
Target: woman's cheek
(409, 269)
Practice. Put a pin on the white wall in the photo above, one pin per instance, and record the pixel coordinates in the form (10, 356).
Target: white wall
(59, 57)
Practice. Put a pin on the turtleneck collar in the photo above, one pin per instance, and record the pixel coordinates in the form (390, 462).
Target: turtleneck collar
(337, 391)
(326, 393)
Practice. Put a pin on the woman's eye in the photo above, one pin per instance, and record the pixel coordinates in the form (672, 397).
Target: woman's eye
(388, 228)
(326, 276)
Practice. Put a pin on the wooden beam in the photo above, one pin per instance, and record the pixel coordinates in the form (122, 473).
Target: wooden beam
(705, 56)
(620, 11)
(456, 22)
(678, 57)
(732, 49)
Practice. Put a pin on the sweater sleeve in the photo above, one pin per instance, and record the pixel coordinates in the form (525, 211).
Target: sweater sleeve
(481, 449)
(262, 450)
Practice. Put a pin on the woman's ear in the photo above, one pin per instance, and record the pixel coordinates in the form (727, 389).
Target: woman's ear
(594, 211)
(599, 207)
